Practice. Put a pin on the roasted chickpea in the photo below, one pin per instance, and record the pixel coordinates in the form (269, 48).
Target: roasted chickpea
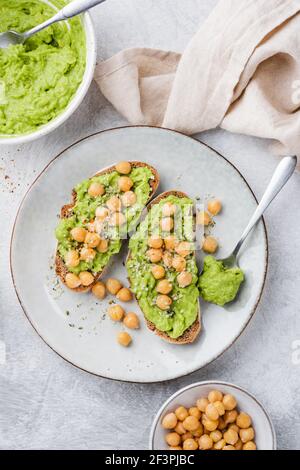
(158, 271)
(131, 321)
(212, 412)
(102, 213)
(180, 429)
(124, 168)
(167, 259)
(216, 435)
(231, 436)
(209, 245)
(250, 445)
(203, 218)
(128, 199)
(238, 445)
(99, 290)
(164, 286)
(72, 281)
(72, 259)
(220, 444)
(154, 255)
(92, 240)
(87, 254)
(220, 407)
(184, 279)
(103, 246)
(114, 204)
(190, 444)
(173, 439)
(86, 278)
(194, 411)
(117, 219)
(168, 209)
(113, 285)
(214, 206)
(169, 421)
(198, 433)
(179, 263)
(202, 404)
(243, 420)
(215, 395)
(167, 224)
(205, 442)
(155, 242)
(163, 302)
(125, 183)
(191, 423)
(124, 294)
(230, 416)
(229, 402)
(228, 447)
(187, 435)
(116, 312)
(209, 424)
(247, 435)
(183, 249)
(170, 242)
(78, 234)
(181, 413)
(222, 424)
(234, 427)
(96, 189)
(124, 338)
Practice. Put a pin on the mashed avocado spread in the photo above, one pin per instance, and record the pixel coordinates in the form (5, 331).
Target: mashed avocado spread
(218, 284)
(39, 78)
(83, 215)
(184, 308)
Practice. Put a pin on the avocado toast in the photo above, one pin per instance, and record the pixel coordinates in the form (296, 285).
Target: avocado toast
(162, 268)
(103, 210)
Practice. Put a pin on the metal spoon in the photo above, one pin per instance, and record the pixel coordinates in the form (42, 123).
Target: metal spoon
(74, 8)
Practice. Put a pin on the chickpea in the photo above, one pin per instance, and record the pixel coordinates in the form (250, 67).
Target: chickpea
(169, 421)
(72, 281)
(194, 411)
(220, 444)
(231, 436)
(187, 435)
(167, 224)
(216, 435)
(210, 245)
(158, 271)
(78, 234)
(202, 404)
(87, 254)
(173, 439)
(230, 416)
(243, 420)
(203, 218)
(214, 206)
(164, 286)
(170, 242)
(184, 279)
(155, 242)
(168, 209)
(222, 424)
(103, 246)
(86, 278)
(125, 183)
(163, 302)
(154, 255)
(128, 199)
(209, 424)
(131, 321)
(180, 429)
(117, 219)
(205, 442)
(124, 168)
(247, 435)
(96, 189)
(198, 433)
(191, 423)
(228, 447)
(190, 444)
(239, 445)
(114, 204)
(116, 312)
(124, 339)
(175, 448)
(229, 402)
(99, 290)
(102, 213)
(179, 263)
(183, 249)
(124, 294)
(250, 445)
(234, 427)
(113, 286)
(220, 407)
(181, 413)
(215, 395)
(167, 259)
(212, 412)
(72, 259)
(92, 240)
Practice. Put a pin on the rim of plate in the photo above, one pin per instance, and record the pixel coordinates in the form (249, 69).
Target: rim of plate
(212, 383)
(164, 129)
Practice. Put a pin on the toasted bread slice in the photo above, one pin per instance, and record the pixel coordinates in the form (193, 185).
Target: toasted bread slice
(67, 211)
(193, 331)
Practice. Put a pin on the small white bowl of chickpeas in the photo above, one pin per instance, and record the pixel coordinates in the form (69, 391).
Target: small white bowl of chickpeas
(212, 416)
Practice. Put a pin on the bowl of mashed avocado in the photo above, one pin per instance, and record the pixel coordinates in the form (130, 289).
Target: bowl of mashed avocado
(44, 80)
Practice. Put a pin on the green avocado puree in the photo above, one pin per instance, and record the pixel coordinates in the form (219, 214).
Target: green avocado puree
(184, 309)
(218, 284)
(84, 212)
(38, 79)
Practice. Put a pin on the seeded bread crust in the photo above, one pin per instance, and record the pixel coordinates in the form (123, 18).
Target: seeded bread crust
(193, 331)
(67, 211)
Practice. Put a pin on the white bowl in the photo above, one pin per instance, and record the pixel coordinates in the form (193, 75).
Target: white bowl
(265, 436)
(77, 98)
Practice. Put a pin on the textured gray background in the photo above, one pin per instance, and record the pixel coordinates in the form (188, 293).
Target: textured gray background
(46, 403)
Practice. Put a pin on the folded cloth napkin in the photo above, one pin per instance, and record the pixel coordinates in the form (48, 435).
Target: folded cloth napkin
(241, 71)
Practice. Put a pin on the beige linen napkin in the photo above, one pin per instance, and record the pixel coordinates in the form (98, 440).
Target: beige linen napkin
(241, 71)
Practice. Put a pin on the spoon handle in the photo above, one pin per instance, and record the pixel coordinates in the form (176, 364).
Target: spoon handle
(281, 176)
(72, 9)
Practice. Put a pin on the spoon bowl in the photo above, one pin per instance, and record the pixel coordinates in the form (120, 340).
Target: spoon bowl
(10, 38)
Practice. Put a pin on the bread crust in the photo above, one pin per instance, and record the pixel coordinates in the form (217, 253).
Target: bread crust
(67, 210)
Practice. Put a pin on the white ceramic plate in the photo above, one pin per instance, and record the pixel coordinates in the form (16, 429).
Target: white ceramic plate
(74, 325)
(265, 437)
